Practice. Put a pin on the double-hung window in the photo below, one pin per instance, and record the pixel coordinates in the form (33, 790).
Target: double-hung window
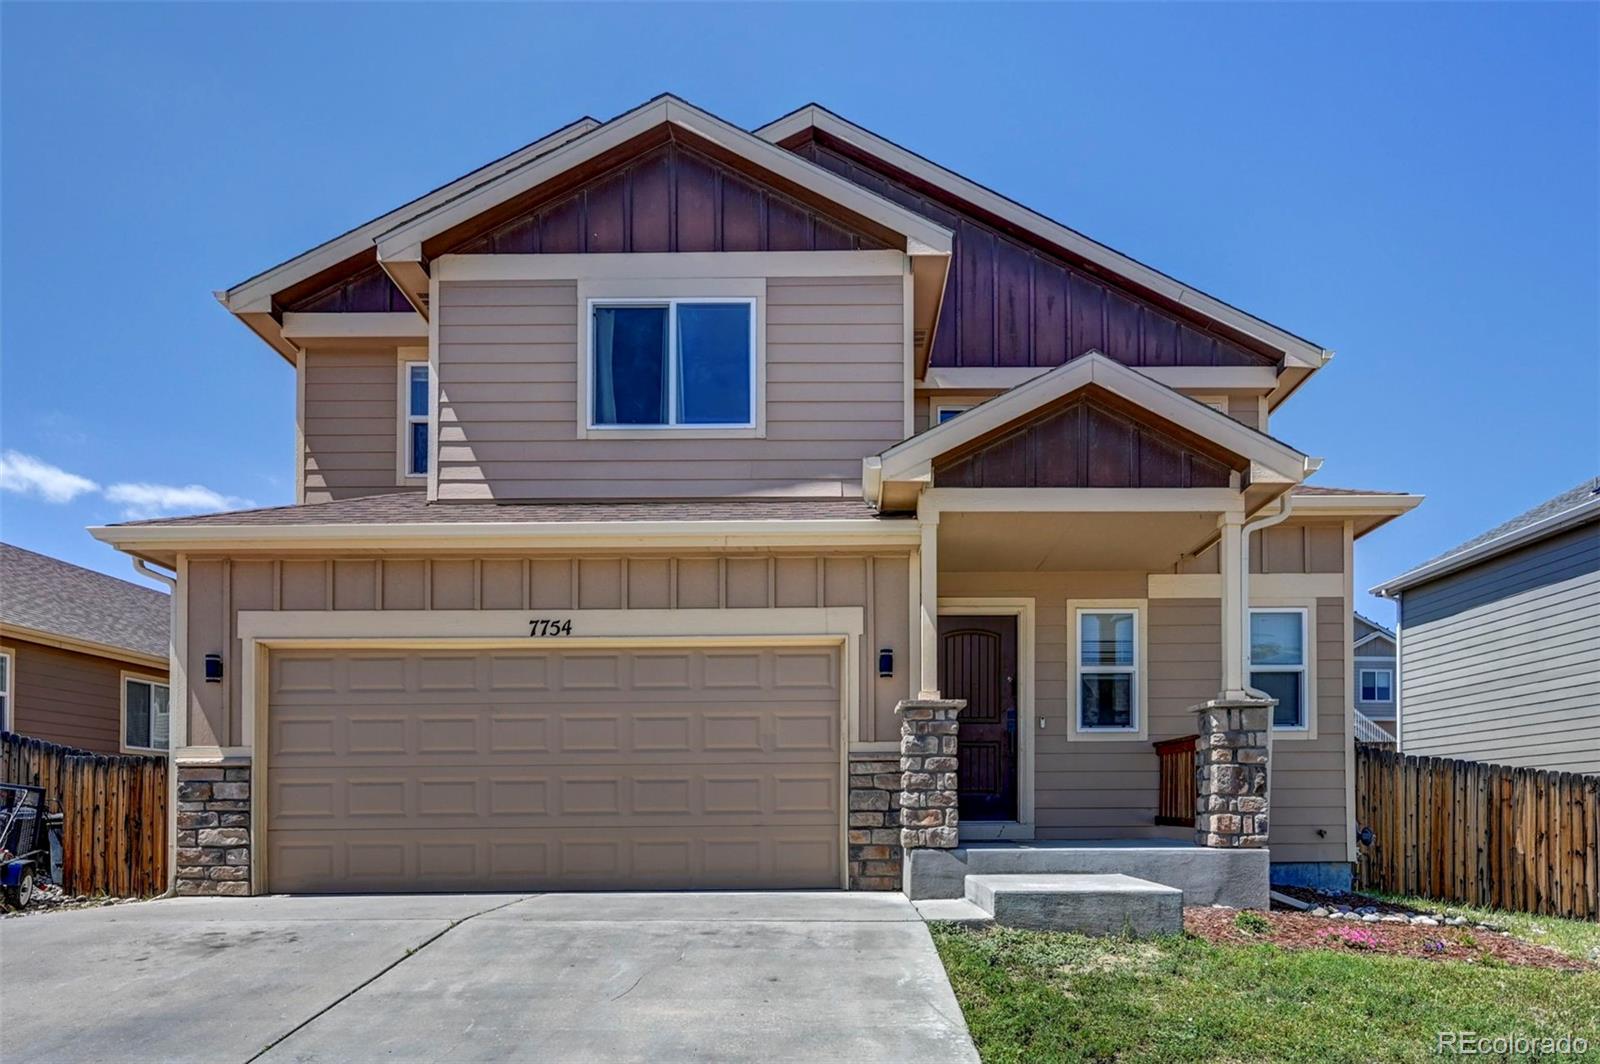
(146, 713)
(1108, 670)
(415, 398)
(1377, 685)
(1278, 663)
(672, 363)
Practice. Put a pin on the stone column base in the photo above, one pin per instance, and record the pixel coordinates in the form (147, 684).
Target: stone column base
(213, 829)
(874, 840)
(1230, 768)
(929, 730)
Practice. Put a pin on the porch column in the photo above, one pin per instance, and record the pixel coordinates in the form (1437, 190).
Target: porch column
(1233, 563)
(928, 608)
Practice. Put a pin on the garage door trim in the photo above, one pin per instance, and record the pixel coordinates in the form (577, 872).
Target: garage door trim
(263, 631)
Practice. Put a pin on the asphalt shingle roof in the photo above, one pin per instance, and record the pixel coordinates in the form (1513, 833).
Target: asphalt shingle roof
(1567, 500)
(411, 507)
(50, 595)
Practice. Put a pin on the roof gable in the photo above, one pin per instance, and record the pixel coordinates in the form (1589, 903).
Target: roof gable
(669, 197)
(1004, 228)
(1133, 396)
(1088, 440)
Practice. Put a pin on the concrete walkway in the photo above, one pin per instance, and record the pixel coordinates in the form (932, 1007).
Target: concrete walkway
(568, 977)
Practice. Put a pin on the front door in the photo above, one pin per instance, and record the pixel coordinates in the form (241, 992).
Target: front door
(978, 662)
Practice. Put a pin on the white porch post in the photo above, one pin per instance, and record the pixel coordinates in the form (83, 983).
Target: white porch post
(1234, 564)
(928, 599)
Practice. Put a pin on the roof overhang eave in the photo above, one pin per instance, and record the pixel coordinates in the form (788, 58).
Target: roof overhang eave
(28, 634)
(165, 542)
(1520, 537)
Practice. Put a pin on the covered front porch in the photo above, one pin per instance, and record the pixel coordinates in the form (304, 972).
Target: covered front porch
(1082, 598)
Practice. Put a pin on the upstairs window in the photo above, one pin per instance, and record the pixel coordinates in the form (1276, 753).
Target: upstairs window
(5, 691)
(1278, 663)
(672, 363)
(942, 414)
(415, 430)
(146, 714)
(1377, 685)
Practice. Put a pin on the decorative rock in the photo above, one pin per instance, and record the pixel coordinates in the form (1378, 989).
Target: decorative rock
(1455, 921)
(1393, 918)
(1424, 921)
(1370, 918)
(1320, 911)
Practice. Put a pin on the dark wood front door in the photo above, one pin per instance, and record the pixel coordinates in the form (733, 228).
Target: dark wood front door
(978, 662)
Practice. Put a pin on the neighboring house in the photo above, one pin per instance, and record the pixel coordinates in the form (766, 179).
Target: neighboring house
(633, 499)
(1499, 642)
(83, 656)
(1374, 681)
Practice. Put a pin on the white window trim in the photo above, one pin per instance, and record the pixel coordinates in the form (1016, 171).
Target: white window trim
(122, 713)
(1307, 729)
(594, 292)
(1219, 403)
(8, 709)
(1361, 686)
(1140, 670)
(411, 357)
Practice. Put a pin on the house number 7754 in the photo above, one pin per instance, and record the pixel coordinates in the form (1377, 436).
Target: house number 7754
(549, 626)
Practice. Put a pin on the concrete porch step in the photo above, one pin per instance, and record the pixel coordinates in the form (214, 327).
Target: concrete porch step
(1098, 904)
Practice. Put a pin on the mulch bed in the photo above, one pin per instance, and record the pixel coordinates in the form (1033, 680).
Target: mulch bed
(1344, 899)
(1297, 931)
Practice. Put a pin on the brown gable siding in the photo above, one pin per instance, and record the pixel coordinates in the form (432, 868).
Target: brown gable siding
(1008, 303)
(1082, 444)
(368, 291)
(670, 198)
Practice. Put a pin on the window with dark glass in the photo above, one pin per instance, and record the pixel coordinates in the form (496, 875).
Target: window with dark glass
(1278, 663)
(416, 419)
(146, 714)
(1108, 671)
(673, 362)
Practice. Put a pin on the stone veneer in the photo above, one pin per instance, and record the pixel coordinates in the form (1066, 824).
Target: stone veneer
(1230, 768)
(929, 818)
(874, 822)
(213, 829)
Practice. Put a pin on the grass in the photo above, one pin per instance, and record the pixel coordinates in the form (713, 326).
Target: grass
(1047, 996)
(1577, 938)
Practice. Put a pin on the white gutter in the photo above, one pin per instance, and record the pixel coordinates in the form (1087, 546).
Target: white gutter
(1286, 507)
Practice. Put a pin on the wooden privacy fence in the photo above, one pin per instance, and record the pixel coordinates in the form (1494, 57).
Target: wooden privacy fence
(114, 813)
(1490, 835)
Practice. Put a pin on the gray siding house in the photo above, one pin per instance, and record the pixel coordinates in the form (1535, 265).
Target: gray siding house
(1499, 642)
(1373, 678)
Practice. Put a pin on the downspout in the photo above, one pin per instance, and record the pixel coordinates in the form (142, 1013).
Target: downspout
(1285, 508)
(143, 568)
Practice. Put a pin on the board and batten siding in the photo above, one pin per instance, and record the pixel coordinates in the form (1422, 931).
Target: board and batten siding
(219, 588)
(508, 399)
(1501, 662)
(350, 424)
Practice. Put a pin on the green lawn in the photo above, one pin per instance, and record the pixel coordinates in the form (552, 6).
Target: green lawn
(1047, 996)
(1579, 938)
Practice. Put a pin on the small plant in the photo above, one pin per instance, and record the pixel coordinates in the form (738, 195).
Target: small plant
(1253, 923)
(1468, 940)
(1435, 945)
(1351, 937)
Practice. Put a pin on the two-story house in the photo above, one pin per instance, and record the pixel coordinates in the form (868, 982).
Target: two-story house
(652, 478)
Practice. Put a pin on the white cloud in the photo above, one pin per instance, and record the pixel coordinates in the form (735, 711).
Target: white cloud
(159, 500)
(27, 475)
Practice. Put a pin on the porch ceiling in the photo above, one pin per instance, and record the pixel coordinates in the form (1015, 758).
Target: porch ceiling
(1052, 542)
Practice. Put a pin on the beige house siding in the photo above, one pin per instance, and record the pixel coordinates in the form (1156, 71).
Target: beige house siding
(1290, 548)
(65, 697)
(1108, 789)
(218, 588)
(350, 423)
(509, 404)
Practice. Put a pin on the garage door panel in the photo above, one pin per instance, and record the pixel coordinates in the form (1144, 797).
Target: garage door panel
(551, 769)
(736, 796)
(562, 859)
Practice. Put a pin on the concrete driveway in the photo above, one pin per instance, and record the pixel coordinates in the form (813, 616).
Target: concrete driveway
(549, 977)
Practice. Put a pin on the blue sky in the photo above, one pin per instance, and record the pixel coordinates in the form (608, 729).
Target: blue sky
(1415, 187)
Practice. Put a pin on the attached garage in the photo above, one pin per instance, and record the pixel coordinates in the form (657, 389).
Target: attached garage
(592, 768)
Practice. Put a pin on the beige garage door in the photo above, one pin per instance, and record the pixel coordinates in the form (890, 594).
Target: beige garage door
(569, 770)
